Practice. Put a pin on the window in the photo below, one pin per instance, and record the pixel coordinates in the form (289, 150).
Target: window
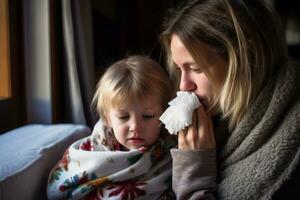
(5, 81)
(12, 109)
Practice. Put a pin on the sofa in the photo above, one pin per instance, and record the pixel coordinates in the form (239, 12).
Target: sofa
(27, 155)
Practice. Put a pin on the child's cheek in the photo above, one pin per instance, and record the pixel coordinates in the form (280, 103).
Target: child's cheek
(116, 122)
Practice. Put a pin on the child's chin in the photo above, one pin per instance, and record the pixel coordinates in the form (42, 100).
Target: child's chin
(139, 147)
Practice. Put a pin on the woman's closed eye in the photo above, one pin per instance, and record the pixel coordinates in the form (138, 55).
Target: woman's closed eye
(192, 67)
(197, 70)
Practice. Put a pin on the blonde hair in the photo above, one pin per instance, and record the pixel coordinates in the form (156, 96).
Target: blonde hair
(245, 33)
(133, 78)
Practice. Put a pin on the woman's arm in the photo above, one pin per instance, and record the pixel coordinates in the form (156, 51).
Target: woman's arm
(194, 173)
(194, 163)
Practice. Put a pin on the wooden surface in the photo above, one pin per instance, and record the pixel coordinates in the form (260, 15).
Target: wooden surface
(5, 81)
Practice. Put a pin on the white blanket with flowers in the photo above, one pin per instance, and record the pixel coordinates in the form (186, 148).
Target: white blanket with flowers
(95, 168)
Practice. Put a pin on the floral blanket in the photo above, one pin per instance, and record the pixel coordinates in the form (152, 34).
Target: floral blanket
(96, 168)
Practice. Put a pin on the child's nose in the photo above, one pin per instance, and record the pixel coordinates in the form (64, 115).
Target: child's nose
(135, 125)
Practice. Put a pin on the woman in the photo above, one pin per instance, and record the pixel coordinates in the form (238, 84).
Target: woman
(244, 140)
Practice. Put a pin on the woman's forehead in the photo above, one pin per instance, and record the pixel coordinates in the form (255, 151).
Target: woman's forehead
(180, 54)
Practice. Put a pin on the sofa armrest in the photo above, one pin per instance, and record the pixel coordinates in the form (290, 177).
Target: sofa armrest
(29, 153)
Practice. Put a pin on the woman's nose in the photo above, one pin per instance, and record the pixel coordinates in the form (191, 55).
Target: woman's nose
(186, 84)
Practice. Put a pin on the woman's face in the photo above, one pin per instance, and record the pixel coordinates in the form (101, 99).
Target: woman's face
(192, 78)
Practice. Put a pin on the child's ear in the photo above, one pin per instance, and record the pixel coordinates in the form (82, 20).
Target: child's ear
(107, 122)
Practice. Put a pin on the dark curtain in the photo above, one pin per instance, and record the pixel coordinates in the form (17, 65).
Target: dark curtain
(78, 61)
(289, 11)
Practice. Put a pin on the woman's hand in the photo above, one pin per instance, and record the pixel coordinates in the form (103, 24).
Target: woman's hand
(200, 134)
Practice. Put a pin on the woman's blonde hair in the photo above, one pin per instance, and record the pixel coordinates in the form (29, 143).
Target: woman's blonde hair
(134, 78)
(246, 33)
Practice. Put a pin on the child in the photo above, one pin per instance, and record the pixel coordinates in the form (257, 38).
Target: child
(127, 155)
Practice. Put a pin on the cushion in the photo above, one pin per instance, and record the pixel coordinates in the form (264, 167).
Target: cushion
(28, 153)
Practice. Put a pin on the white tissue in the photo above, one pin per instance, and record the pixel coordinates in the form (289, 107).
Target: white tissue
(179, 114)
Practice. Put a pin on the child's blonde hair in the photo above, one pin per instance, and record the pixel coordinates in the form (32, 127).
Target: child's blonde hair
(134, 78)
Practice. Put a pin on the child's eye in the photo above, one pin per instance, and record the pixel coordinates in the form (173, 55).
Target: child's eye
(123, 117)
(148, 116)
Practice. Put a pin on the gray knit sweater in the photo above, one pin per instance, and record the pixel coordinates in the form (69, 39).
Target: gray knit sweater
(259, 155)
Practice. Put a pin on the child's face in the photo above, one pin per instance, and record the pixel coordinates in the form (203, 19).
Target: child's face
(136, 124)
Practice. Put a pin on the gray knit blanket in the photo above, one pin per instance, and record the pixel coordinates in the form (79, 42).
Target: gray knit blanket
(263, 150)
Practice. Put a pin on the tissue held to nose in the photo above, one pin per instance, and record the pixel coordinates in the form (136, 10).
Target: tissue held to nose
(179, 113)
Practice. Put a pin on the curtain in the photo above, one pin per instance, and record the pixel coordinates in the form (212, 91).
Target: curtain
(79, 61)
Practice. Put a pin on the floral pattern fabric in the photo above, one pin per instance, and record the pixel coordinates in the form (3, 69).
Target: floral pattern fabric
(96, 168)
